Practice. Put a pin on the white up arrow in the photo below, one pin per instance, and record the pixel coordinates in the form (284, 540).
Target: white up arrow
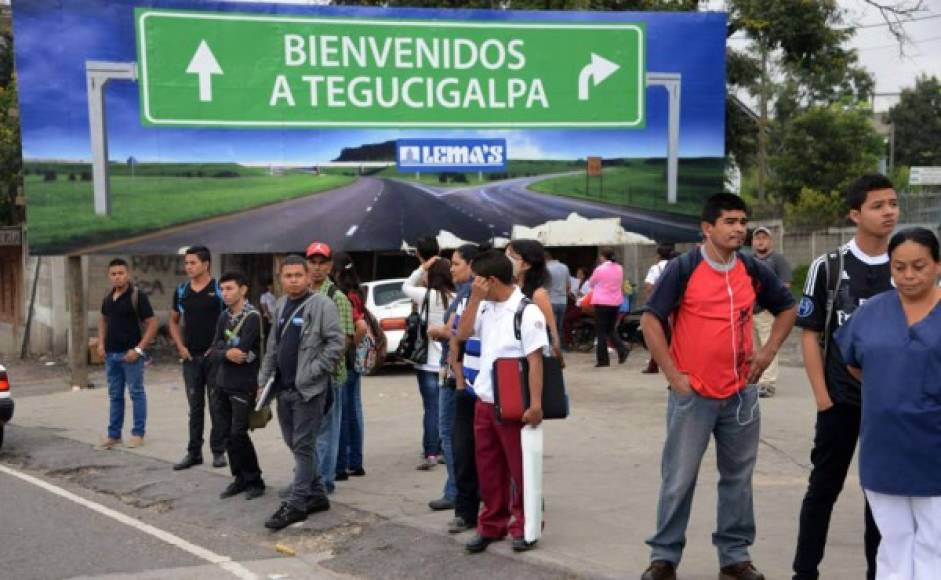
(204, 65)
(597, 70)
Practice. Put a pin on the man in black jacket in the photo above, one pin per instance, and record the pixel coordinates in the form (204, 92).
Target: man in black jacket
(236, 352)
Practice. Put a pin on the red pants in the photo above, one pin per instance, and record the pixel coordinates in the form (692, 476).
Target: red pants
(500, 473)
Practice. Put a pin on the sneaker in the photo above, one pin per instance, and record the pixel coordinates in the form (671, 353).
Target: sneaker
(234, 488)
(623, 356)
(284, 517)
(317, 504)
(358, 472)
(521, 545)
(660, 570)
(254, 491)
(441, 504)
(135, 441)
(218, 460)
(427, 463)
(740, 571)
(459, 524)
(188, 461)
(478, 544)
(341, 476)
(108, 444)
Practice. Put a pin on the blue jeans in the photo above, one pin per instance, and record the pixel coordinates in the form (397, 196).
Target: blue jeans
(121, 374)
(350, 455)
(328, 441)
(558, 310)
(428, 387)
(445, 430)
(735, 423)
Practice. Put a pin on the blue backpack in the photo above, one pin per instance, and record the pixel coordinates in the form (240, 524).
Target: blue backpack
(181, 294)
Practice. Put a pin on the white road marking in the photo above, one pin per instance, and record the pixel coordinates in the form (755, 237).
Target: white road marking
(351, 231)
(223, 562)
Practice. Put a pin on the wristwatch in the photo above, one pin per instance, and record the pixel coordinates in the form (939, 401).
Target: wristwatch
(139, 351)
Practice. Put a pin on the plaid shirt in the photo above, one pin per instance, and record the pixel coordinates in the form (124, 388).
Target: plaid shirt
(346, 322)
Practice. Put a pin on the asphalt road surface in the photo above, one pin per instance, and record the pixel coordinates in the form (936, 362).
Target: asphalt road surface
(379, 214)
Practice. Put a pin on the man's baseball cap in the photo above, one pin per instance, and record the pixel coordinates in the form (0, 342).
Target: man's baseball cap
(758, 230)
(318, 249)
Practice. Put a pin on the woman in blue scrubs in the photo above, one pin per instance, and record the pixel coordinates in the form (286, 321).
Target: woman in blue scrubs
(893, 345)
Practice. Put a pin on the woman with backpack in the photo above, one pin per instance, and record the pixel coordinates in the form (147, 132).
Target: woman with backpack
(431, 289)
(350, 451)
(532, 276)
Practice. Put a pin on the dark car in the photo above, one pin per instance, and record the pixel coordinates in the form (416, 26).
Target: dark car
(6, 401)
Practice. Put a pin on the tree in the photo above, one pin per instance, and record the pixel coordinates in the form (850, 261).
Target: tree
(917, 122)
(10, 148)
(823, 149)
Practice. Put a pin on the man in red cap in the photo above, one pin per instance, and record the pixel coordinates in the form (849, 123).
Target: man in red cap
(320, 264)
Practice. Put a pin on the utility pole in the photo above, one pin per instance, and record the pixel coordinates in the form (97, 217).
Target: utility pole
(763, 122)
(78, 328)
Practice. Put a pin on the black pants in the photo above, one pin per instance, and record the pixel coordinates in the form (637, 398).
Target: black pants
(834, 443)
(196, 377)
(234, 409)
(605, 317)
(467, 503)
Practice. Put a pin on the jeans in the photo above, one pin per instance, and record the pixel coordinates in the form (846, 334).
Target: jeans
(328, 440)
(234, 409)
(428, 387)
(558, 311)
(467, 502)
(835, 439)
(196, 376)
(446, 430)
(350, 455)
(300, 421)
(121, 374)
(605, 317)
(735, 423)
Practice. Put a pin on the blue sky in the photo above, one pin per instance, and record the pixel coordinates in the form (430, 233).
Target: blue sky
(54, 38)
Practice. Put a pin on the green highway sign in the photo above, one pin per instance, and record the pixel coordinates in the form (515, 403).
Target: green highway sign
(224, 69)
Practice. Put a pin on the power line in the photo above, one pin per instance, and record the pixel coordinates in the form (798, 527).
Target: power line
(900, 22)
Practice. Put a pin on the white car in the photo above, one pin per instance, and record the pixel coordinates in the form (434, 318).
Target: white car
(391, 307)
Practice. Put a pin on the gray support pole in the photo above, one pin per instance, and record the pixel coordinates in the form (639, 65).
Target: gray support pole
(672, 82)
(97, 75)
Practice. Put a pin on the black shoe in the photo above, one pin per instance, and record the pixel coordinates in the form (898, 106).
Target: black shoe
(317, 504)
(478, 544)
(459, 524)
(187, 462)
(234, 488)
(341, 476)
(441, 504)
(284, 517)
(521, 545)
(599, 365)
(218, 460)
(623, 357)
(660, 570)
(254, 491)
(358, 472)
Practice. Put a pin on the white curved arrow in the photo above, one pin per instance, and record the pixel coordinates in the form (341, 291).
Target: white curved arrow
(597, 70)
(204, 64)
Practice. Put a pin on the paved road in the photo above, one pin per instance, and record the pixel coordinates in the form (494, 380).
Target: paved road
(374, 214)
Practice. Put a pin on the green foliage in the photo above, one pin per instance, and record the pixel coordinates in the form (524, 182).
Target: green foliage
(815, 210)
(917, 120)
(797, 281)
(10, 156)
(823, 149)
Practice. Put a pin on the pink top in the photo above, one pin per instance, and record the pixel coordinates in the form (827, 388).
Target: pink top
(606, 283)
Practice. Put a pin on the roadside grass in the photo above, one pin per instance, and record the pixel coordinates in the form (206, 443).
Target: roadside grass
(60, 212)
(641, 183)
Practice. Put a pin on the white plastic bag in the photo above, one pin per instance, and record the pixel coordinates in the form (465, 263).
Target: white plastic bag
(531, 442)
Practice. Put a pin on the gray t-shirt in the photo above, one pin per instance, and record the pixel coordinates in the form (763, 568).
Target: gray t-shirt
(559, 282)
(779, 265)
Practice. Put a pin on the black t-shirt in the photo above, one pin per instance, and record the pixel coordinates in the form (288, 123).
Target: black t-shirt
(239, 377)
(200, 312)
(123, 330)
(291, 322)
(863, 277)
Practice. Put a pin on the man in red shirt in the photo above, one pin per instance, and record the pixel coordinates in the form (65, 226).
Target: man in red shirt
(712, 368)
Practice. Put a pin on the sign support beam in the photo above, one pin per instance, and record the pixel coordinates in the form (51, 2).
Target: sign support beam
(97, 76)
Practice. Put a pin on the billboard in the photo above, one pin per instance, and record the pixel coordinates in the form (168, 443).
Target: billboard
(254, 127)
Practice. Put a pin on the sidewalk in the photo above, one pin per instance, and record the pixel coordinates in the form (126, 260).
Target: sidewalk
(602, 466)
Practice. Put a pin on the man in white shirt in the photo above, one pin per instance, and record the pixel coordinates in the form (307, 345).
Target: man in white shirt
(665, 252)
(490, 315)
